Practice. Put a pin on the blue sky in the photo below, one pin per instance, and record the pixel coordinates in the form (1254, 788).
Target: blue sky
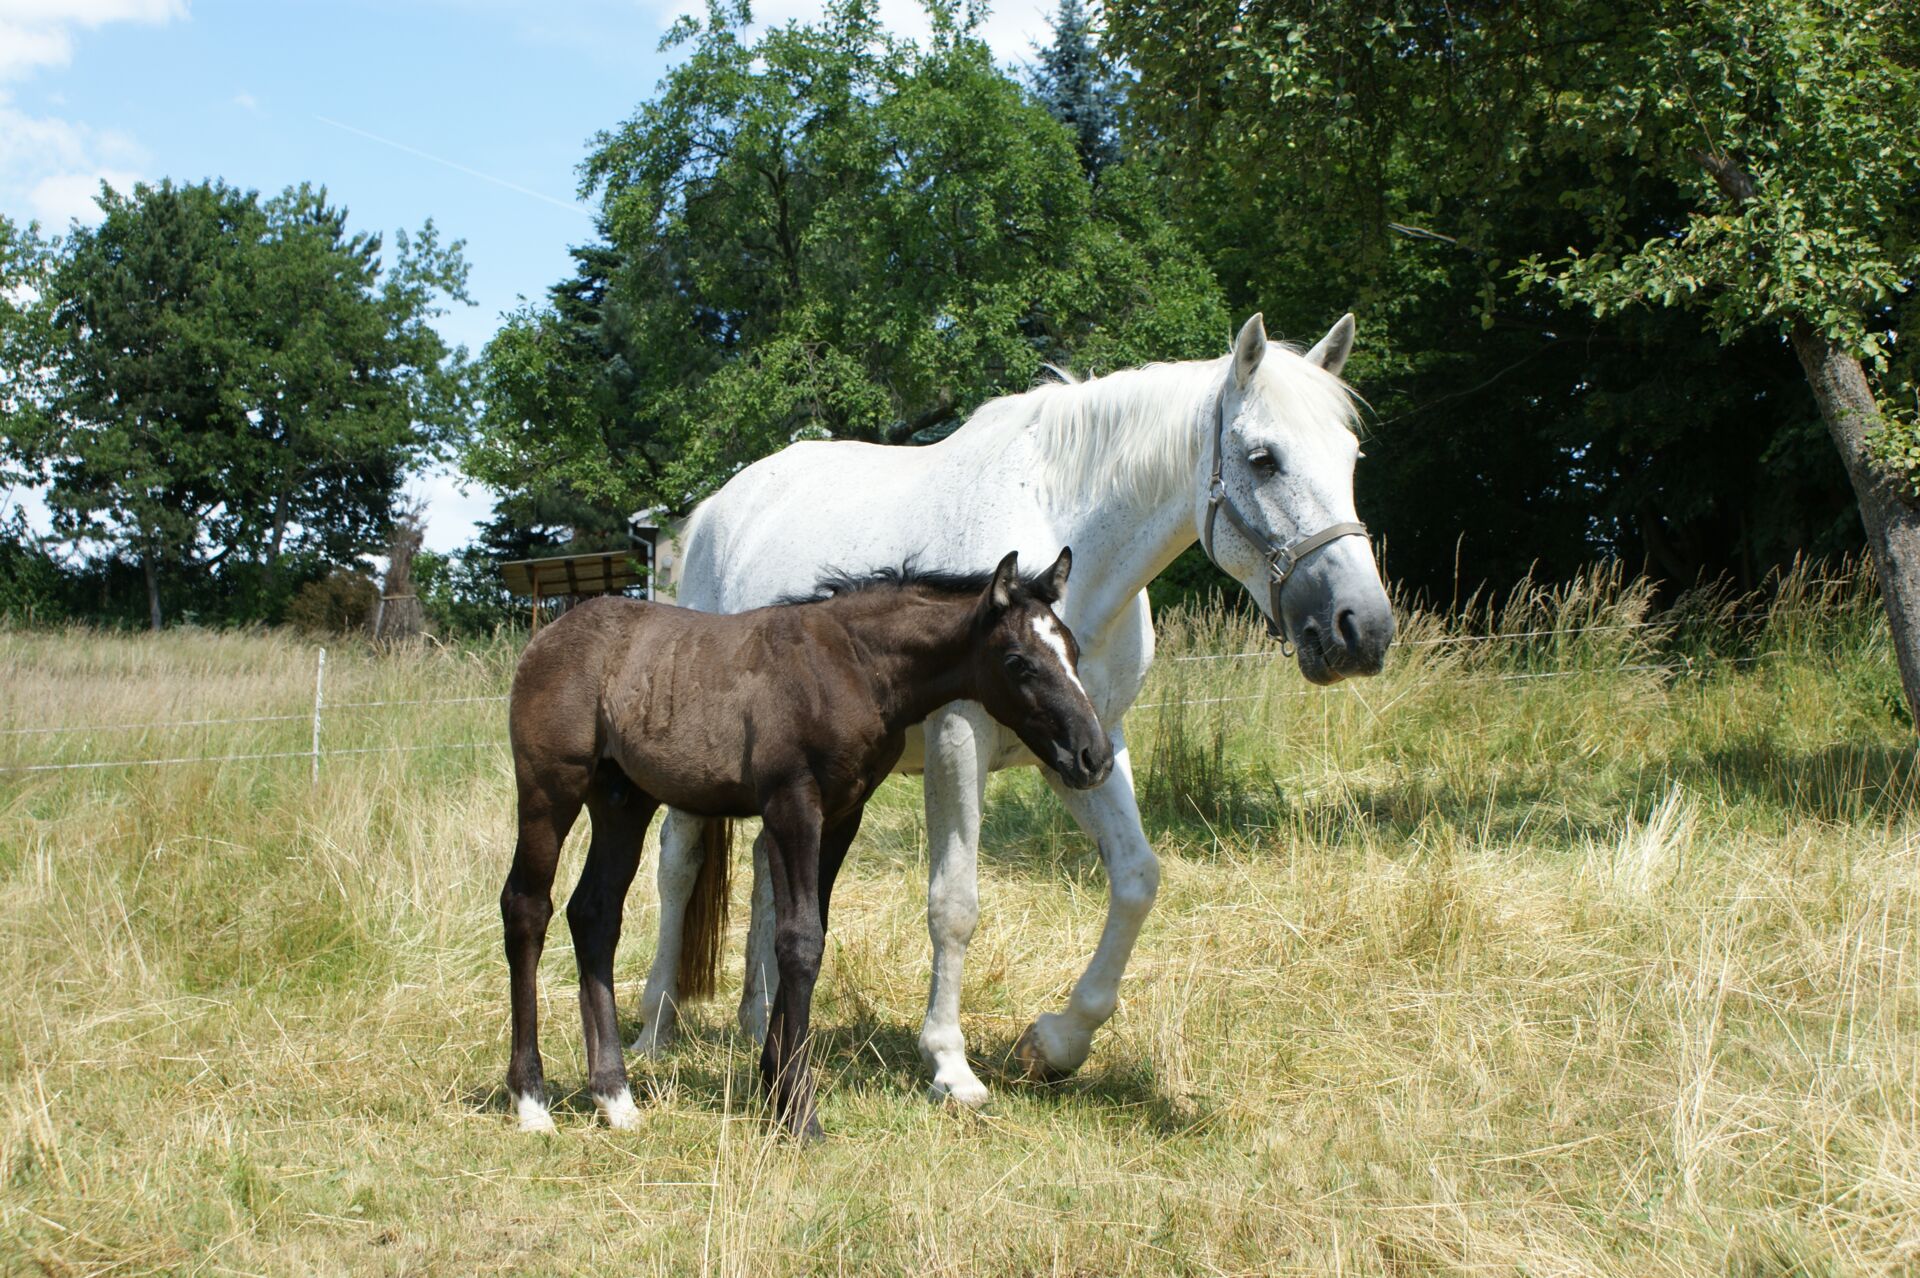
(354, 95)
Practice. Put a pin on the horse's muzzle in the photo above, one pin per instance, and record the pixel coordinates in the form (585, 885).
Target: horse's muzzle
(1353, 645)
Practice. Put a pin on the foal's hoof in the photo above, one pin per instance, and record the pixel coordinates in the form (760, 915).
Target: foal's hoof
(1033, 1063)
(620, 1112)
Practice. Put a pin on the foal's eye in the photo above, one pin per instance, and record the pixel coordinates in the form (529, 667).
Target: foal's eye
(1018, 666)
(1261, 459)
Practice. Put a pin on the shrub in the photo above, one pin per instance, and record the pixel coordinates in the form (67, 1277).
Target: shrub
(339, 603)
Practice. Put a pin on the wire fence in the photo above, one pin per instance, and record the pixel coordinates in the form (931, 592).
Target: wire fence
(317, 749)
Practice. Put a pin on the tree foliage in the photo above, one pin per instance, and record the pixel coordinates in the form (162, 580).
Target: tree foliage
(825, 233)
(1403, 159)
(229, 381)
(1079, 88)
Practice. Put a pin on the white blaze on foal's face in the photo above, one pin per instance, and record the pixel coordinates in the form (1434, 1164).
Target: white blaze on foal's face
(1047, 631)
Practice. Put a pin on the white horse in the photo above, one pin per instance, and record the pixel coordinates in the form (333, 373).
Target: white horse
(1128, 469)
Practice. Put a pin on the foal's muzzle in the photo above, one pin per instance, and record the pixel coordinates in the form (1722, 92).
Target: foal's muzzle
(1083, 766)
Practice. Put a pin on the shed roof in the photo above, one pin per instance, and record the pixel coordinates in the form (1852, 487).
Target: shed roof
(600, 573)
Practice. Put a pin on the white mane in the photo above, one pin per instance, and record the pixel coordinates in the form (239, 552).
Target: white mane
(1137, 434)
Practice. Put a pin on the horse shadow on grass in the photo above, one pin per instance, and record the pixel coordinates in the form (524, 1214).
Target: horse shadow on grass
(716, 1069)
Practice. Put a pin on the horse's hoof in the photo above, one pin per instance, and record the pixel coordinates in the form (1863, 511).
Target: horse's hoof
(654, 1041)
(534, 1117)
(964, 1090)
(1032, 1062)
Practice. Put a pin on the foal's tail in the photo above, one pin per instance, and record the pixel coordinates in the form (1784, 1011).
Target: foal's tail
(705, 922)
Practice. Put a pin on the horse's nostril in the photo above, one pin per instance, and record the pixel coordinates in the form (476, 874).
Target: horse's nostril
(1086, 758)
(1349, 632)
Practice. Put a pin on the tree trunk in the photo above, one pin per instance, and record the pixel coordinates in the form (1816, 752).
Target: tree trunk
(152, 572)
(1893, 527)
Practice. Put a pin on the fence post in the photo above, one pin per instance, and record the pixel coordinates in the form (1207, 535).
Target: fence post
(319, 691)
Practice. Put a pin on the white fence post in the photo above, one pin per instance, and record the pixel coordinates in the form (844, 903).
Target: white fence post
(319, 691)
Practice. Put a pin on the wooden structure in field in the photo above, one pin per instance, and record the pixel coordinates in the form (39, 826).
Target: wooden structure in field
(611, 572)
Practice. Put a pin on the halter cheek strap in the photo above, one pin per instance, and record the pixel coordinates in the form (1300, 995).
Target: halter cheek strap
(1281, 560)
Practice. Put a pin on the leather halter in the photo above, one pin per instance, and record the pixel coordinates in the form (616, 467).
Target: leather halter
(1281, 560)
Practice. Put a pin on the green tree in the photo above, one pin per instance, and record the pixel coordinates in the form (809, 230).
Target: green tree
(1078, 87)
(828, 233)
(1399, 159)
(222, 370)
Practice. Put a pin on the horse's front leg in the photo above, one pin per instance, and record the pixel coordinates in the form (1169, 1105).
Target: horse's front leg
(1056, 1044)
(960, 742)
(793, 836)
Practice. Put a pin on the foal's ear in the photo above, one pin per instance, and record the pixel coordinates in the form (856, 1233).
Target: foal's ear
(1056, 578)
(1249, 349)
(1331, 351)
(1000, 593)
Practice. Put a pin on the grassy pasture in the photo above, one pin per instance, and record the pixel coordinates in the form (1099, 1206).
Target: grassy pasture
(1459, 970)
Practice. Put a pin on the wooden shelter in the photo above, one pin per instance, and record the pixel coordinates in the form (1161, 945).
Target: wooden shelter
(609, 572)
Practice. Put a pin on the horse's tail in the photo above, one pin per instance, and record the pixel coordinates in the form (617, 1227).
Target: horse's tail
(704, 926)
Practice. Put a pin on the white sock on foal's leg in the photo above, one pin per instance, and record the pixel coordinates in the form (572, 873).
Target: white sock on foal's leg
(619, 1110)
(532, 1111)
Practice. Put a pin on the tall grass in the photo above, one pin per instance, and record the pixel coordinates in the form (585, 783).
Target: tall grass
(1589, 952)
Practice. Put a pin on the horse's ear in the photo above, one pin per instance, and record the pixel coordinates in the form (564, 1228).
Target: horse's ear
(1056, 578)
(1249, 349)
(1000, 593)
(1331, 351)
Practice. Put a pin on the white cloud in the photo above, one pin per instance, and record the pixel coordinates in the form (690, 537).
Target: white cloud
(246, 101)
(39, 33)
(69, 197)
(51, 168)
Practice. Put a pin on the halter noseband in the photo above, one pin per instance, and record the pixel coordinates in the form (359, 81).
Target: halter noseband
(1281, 560)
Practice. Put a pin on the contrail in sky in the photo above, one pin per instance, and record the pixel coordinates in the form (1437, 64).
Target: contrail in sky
(572, 206)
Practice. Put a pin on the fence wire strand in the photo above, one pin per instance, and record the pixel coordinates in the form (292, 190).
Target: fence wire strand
(1685, 665)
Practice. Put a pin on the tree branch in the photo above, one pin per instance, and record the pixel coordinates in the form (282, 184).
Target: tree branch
(1729, 175)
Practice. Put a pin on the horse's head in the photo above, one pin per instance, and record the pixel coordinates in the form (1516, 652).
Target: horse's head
(1026, 672)
(1274, 503)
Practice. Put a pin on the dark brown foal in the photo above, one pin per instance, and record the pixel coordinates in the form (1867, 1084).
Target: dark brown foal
(793, 714)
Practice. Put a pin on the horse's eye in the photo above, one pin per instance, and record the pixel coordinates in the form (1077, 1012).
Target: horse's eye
(1261, 459)
(1018, 666)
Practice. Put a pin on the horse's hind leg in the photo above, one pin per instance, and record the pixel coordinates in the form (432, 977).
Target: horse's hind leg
(549, 801)
(680, 860)
(620, 814)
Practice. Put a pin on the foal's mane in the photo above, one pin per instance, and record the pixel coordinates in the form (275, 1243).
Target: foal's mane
(1137, 433)
(837, 583)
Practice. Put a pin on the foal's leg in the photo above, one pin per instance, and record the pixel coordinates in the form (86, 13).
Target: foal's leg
(1057, 1043)
(680, 857)
(799, 939)
(620, 814)
(833, 854)
(960, 742)
(549, 801)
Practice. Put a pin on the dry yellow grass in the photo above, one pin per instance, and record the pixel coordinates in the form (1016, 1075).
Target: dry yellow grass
(1451, 972)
